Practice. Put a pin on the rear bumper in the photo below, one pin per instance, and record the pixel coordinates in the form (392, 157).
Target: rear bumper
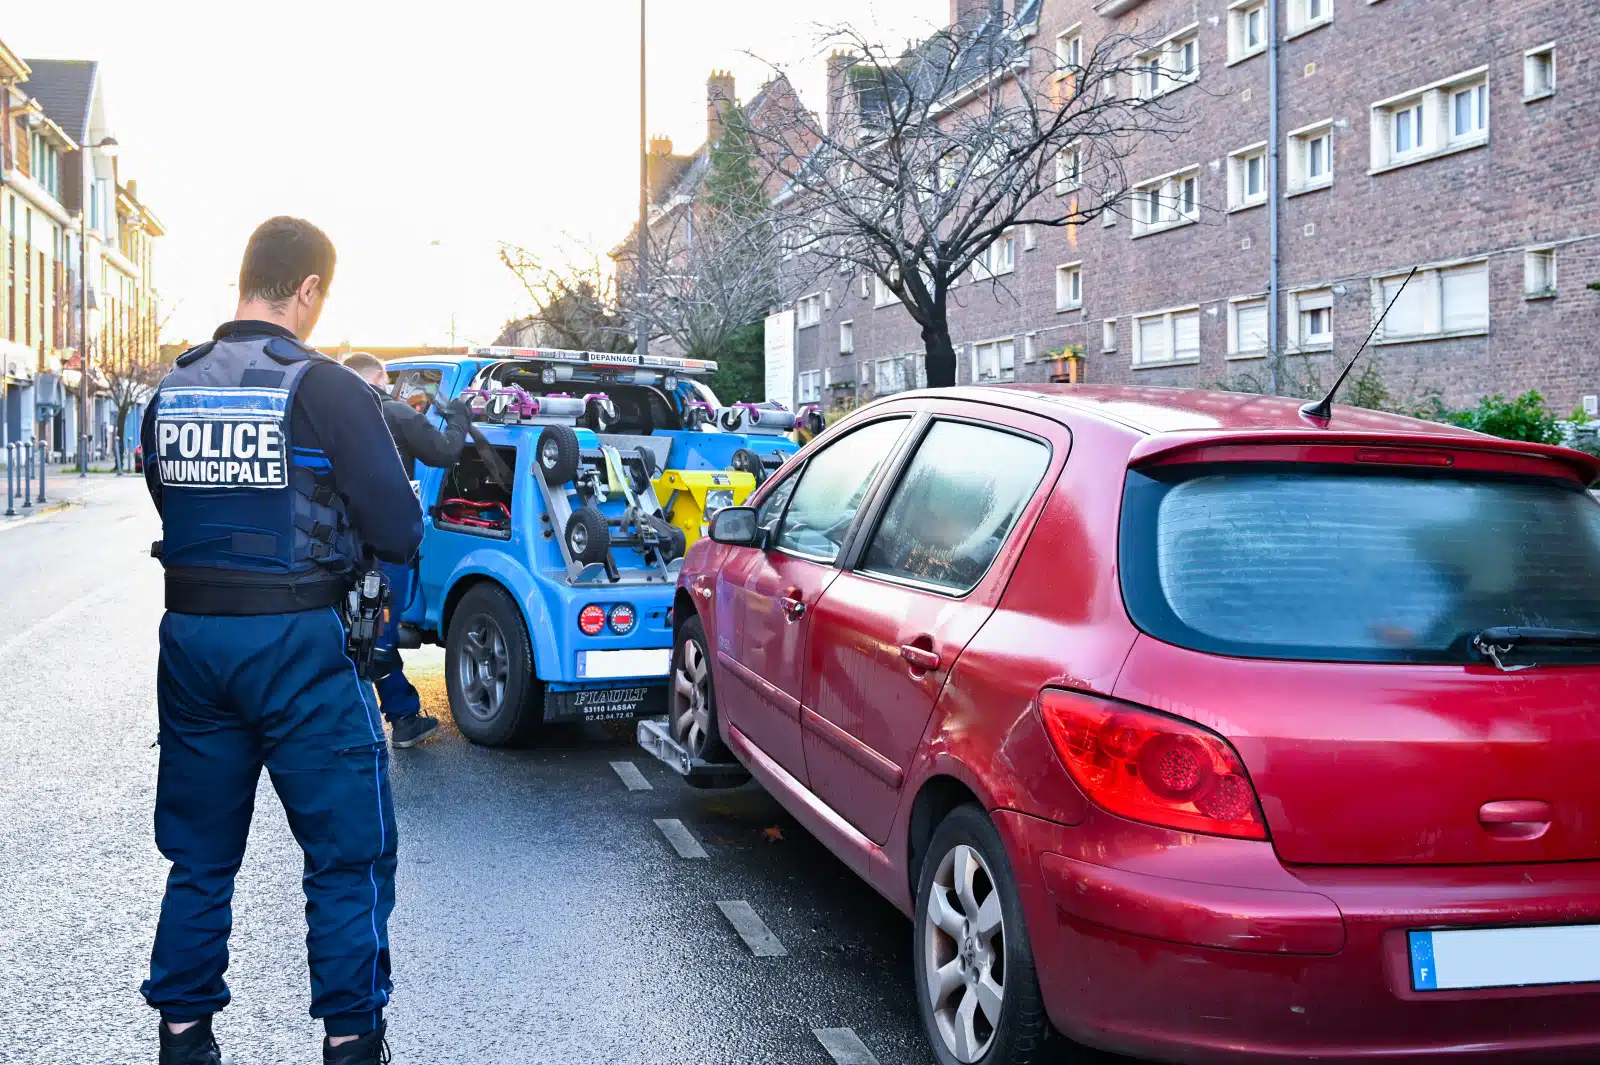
(1196, 949)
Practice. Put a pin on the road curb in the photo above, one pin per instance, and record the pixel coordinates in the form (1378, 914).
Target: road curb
(41, 512)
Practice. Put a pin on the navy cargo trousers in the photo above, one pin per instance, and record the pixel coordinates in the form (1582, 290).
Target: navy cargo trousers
(236, 694)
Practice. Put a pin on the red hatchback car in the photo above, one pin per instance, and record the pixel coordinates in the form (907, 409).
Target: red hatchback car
(1179, 722)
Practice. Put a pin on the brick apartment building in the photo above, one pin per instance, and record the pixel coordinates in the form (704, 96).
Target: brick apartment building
(1459, 136)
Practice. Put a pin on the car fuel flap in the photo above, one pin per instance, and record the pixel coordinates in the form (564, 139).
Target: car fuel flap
(1377, 764)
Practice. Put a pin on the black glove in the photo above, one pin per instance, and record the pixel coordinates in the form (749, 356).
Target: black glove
(456, 410)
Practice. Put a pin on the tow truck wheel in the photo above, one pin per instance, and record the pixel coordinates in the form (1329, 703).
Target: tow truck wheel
(588, 535)
(692, 700)
(558, 454)
(746, 461)
(495, 697)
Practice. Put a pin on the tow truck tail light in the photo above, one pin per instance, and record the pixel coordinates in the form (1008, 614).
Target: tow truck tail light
(1149, 767)
(592, 619)
(623, 619)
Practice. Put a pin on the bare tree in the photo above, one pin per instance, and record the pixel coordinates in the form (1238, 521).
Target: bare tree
(132, 368)
(575, 303)
(930, 156)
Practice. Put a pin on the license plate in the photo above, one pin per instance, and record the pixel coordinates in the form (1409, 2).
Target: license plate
(606, 704)
(618, 665)
(1465, 958)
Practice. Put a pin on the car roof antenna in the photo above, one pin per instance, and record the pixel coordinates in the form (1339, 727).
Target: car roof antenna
(1322, 409)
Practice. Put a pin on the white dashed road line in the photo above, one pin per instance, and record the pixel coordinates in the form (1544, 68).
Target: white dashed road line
(682, 841)
(631, 776)
(755, 933)
(844, 1046)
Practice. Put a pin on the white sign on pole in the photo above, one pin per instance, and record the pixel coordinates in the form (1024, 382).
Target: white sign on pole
(780, 358)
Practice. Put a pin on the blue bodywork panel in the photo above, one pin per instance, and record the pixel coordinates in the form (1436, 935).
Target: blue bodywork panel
(530, 564)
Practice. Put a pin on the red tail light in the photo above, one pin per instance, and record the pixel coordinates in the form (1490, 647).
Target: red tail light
(592, 619)
(1149, 767)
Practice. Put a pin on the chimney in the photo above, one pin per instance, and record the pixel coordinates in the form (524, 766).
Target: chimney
(719, 101)
(967, 14)
(839, 64)
(656, 165)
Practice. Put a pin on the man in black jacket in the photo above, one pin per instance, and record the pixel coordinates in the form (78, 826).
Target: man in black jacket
(417, 441)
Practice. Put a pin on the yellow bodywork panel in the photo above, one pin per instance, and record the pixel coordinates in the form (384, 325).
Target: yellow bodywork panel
(687, 496)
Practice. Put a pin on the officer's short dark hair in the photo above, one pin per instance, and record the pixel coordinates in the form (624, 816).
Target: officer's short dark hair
(282, 253)
(363, 363)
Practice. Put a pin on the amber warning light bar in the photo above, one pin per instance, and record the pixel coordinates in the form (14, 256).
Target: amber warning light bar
(599, 358)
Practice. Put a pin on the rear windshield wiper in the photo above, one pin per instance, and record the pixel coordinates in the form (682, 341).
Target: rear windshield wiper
(1502, 639)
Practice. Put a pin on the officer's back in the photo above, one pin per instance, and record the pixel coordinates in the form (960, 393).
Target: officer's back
(277, 482)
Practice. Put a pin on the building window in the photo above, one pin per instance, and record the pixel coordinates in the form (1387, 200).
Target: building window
(1311, 318)
(1469, 113)
(994, 360)
(1539, 273)
(1311, 158)
(809, 310)
(1247, 29)
(827, 299)
(1170, 65)
(810, 386)
(1165, 202)
(1439, 302)
(1069, 172)
(1030, 347)
(1307, 15)
(1247, 328)
(1069, 287)
(1108, 335)
(1448, 116)
(998, 258)
(1167, 338)
(897, 374)
(861, 286)
(1538, 73)
(847, 338)
(1069, 51)
(882, 294)
(1247, 177)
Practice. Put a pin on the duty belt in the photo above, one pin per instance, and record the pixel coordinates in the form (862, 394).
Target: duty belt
(235, 593)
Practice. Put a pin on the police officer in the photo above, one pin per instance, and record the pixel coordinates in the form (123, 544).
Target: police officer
(276, 480)
(417, 441)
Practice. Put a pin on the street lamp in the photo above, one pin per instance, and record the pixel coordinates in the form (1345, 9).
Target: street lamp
(108, 145)
(643, 267)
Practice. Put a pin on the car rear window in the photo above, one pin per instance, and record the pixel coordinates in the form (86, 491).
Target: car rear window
(1334, 564)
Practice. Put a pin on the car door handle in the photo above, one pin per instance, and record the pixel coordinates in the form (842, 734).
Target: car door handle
(793, 607)
(920, 658)
(1516, 819)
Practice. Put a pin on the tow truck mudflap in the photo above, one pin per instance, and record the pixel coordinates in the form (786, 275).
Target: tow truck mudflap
(619, 701)
(655, 736)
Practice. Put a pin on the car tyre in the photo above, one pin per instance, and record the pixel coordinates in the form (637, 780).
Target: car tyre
(746, 461)
(495, 696)
(588, 536)
(558, 454)
(976, 986)
(692, 702)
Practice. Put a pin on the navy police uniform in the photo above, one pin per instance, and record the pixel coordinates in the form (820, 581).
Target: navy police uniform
(275, 477)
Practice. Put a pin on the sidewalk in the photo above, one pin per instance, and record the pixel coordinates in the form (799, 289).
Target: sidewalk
(63, 487)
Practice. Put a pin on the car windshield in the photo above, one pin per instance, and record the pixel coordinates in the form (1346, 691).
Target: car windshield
(1326, 563)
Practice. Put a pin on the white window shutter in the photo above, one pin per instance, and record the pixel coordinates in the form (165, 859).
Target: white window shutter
(1409, 315)
(1153, 340)
(1186, 335)
(1252, 327)
(1465, 293)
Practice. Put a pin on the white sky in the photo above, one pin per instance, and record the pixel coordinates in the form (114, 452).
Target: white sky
(394, 126)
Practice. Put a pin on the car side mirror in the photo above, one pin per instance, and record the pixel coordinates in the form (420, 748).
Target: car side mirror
(737, 527)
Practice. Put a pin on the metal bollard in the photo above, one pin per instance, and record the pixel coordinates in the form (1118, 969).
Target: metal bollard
(11, 479)
(44, 460)
(27, 474)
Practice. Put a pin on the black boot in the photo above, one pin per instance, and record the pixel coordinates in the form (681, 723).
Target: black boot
(370, 1049)
(193, 1046)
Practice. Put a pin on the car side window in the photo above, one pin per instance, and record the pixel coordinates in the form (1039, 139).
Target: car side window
(960, 496)
(832, 487)
(773, 506)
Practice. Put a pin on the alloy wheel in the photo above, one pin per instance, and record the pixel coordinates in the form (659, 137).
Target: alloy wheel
(550, 454)
(484, 667)
(691, 700)
(963, 940)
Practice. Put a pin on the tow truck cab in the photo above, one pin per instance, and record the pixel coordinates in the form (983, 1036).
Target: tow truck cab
(548, 562)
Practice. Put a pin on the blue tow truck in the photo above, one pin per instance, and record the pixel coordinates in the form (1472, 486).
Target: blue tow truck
(548, 560)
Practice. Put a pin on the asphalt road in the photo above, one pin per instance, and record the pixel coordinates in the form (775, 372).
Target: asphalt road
(542, 915)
